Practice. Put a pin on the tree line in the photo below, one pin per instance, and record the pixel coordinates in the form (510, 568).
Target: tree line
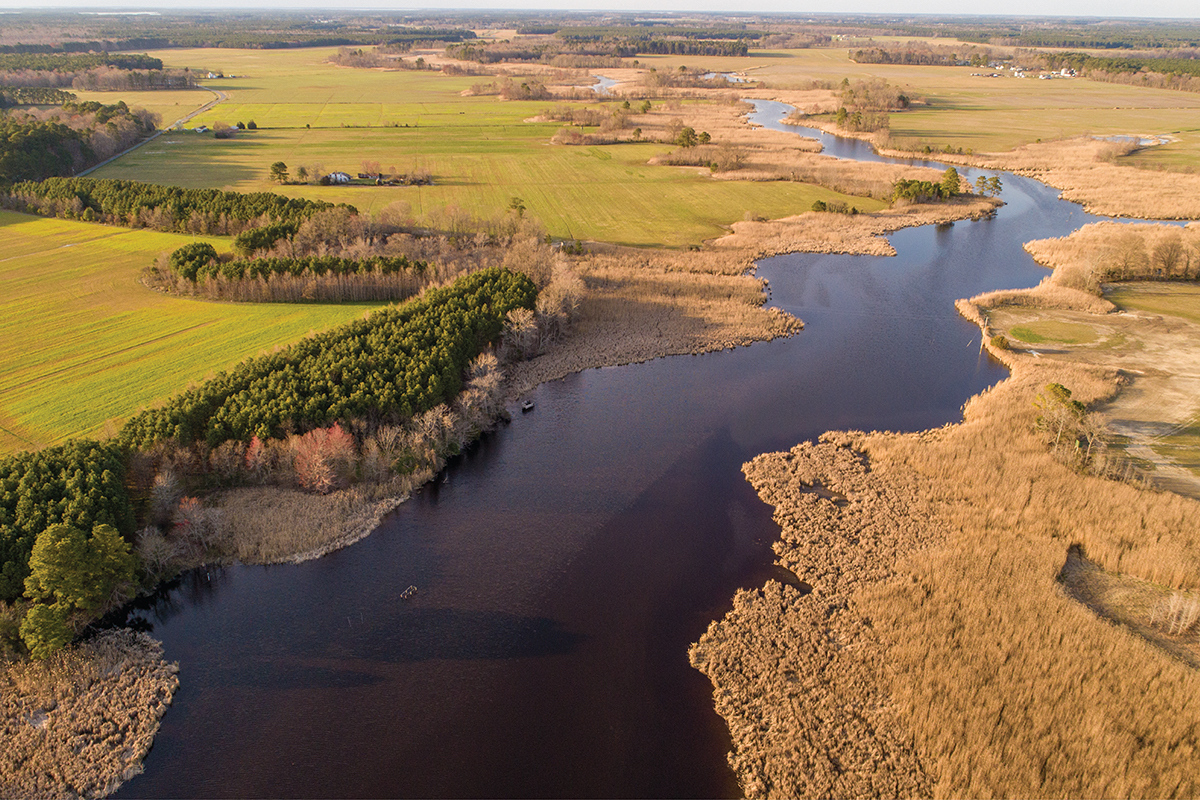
(398, 362)
(35, 144)
(626, 47)
(167, 208)
(33, 96)
(70, 62)
(199, 261)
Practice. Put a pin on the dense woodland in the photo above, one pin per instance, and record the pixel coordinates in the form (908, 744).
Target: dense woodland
(37, 144)
(33, 96)
(167, 208)
(79, 484)
(90, 72)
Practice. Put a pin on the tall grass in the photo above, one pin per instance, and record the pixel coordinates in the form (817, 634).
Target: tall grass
(79, 723)
(938, 654)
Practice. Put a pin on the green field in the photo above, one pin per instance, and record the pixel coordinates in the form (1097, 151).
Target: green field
(480, 151)
(1173, 299)
(83, 342)
(1045, 330)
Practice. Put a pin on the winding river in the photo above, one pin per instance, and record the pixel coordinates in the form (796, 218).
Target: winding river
(564, 565)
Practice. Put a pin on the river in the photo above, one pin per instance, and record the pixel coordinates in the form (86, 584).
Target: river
(565, 563)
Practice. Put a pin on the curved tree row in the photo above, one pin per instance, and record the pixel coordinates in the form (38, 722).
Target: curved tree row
(121, 202)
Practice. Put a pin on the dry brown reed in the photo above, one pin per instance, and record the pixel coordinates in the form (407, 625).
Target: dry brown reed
(1082, 167)
(1110, 251)
(1176, 614)
(840, 233)
(79, 723)
(643, 304)
(938, 638)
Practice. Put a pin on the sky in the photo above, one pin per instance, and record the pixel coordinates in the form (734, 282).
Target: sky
(1185, 9)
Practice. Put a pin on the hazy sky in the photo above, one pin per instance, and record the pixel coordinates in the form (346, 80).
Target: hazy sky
(1090, 8)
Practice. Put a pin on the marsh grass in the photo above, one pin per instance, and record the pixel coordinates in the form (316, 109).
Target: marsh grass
(79, 723)
(937, 584)
(1176, 615)
(952, 660)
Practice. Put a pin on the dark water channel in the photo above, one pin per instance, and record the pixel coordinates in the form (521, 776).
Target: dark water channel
(565, 564)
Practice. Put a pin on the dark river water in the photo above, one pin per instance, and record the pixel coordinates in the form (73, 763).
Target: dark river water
(565, 563)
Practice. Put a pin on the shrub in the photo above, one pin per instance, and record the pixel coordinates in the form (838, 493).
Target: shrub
(324, 459)
(188, 260)
(1000, 342)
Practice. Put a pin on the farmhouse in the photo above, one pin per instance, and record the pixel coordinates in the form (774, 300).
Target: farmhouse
(338, 177)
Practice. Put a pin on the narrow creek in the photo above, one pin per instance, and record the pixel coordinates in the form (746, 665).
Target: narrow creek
(564, 565)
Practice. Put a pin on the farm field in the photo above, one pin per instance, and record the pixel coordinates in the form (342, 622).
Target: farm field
(480, 151)
(83, 342)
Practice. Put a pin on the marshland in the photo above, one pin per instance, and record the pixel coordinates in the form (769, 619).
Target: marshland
(555, 602)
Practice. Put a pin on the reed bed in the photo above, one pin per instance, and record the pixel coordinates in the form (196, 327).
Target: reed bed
(80, 723)
(1088, 171)
(861, 234)
(641, 305)
(939, 653)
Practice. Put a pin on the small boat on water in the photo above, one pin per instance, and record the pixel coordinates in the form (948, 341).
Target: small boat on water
(527, 406)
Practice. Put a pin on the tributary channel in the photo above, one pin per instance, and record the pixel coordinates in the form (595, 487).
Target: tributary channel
(565, 563)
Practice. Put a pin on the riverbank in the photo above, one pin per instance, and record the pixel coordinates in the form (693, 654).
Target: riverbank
(1087, 169)
(79, 724)
(939, 653)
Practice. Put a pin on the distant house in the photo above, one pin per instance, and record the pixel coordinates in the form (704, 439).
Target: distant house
(338, 177)
(201, 129)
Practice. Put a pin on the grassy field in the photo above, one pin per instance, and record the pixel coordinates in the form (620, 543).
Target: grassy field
(989, 114)
(1054, 331)
(1173, 299)
(480, 150)
(83, 342)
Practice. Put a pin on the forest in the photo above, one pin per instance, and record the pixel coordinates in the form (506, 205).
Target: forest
(80, 483)
(33, 96)
(41, 144)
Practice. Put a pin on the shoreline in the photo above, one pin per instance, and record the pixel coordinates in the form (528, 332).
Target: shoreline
(870, 685)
